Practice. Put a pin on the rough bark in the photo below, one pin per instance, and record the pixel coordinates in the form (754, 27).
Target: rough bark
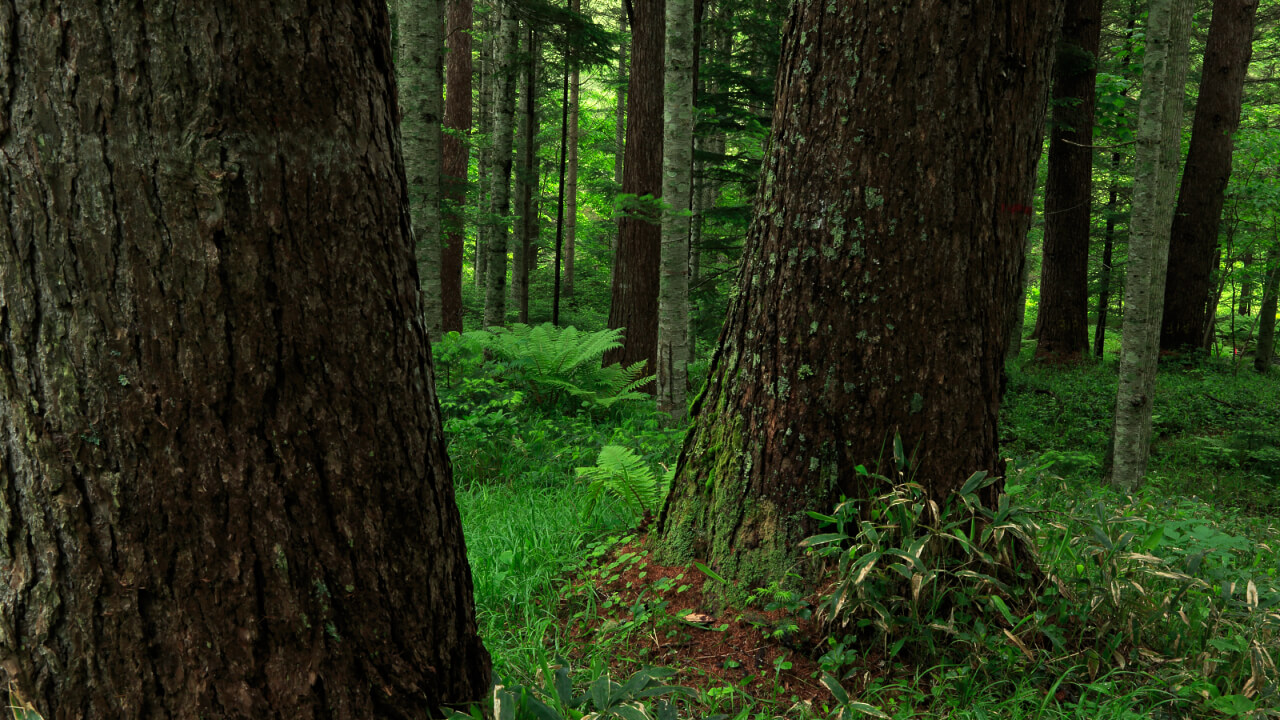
(1155, 173)
(211, 503)
(457, 118)
(1204, 180)
(878, 273)
(1064, 277)
(1267, 314)
(499, 221)
(677, 191)
(420, 73)
(634, 293)
(571, 177)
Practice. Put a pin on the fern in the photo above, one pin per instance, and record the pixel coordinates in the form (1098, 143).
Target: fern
(556, 365)
(622, 473)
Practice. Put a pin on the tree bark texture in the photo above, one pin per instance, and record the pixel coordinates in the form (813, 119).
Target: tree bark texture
(211, 503)
(1155, 173)
(499, 220)
(1064, 277)
(420, 73)
(677, 192)
(457, 118)
(878, 273)
(634, 294)
(1204, 180)
(571, 177)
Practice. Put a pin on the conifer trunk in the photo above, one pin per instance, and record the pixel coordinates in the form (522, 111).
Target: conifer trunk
(1155, 173)
(457, 117)
(1187, 317)
(499, 221)
(878, 273)
(420, 72)
(213, 504)
(677, 189)
(571, 176)
(526, 137)
(1064, 279)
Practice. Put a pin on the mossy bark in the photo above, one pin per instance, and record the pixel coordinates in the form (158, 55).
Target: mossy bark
(877, 277)
(212, 504)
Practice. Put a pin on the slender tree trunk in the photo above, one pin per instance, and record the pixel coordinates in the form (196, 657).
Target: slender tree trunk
(488, 76)
(457, 118)
(1244, 306)
(634, 294)
(1267, 312)
(677, 189)
(213, 505)
(1064, 277)
(571, 180)
(495, 281)
(1108, 245)
(620, 129)
(1018, 318)
(880, 305)
(1204, 180)
(1156, 170)
(564, 148)
(525, 180)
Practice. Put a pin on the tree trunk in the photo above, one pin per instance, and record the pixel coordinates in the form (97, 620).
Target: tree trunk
(1018, 318)
(1064, 278)
(1267, 314)
(571, 180)
(1204, 180)
(564, 147)
(634, 294)
(420, 73)
(1244, 306)
(213, 505)
(488, 75)
(457, 117)
(495, 281)
(1108, 246)
(620, 126)
(677, 190)
(1155, 172)
(870, 301)
(526, 137)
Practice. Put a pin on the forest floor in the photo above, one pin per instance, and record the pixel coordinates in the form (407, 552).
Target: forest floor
(1167, 600)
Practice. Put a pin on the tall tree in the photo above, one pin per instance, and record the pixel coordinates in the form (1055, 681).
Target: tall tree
(498, 223)
(1064, 276)
(571, 178)
(526, 176)
(1159, 131)
(1194, 244)
(457, 119)
(620, 121)
(870, 302)
(420, 73)
(213, 504)
(484, 110)
(634, 293)
(677, 191)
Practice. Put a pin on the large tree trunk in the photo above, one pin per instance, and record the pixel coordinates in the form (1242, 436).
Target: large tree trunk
(499, 221)
(571, 178)
(457, 117)
(420, 73)
(677, 190)
(213, 505)
(1155, 172)
(1204, 180)
(634, 295)
(877, 276)
(1064, 277)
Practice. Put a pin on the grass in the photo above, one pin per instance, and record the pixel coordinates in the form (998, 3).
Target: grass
(1174, 588)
